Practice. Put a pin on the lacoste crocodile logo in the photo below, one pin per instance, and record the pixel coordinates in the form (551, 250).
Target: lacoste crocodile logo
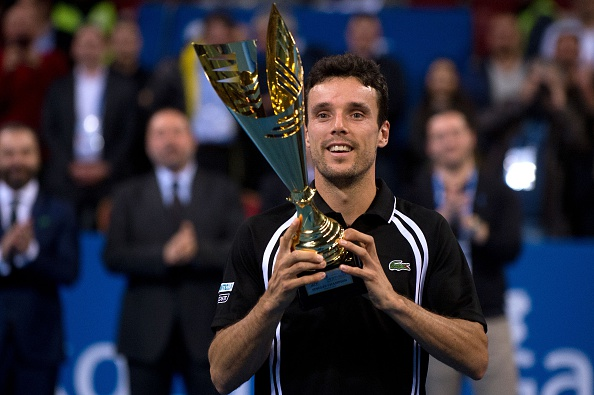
(398, 265)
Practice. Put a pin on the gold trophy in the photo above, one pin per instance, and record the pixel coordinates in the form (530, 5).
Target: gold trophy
(232, 70)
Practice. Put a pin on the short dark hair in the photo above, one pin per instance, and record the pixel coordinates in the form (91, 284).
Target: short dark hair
(349, 65)
(17, 126)
(466, 115)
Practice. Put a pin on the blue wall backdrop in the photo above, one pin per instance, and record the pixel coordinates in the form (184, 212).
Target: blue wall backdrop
(415, 36)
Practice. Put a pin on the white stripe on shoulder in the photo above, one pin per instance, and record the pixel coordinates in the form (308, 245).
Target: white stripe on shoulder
(423, 242)
(275, 354)
(421, 263)
(420, 248)
(270, 248)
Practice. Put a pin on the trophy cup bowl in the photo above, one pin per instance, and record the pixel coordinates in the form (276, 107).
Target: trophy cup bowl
(232, 70)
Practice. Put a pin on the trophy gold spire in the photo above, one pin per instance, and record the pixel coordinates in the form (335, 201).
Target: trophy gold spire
(232, 70)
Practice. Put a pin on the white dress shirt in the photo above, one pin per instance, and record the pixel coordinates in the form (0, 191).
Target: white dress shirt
(212, 122)
(88, 98)
(26, 198)
(184, 178)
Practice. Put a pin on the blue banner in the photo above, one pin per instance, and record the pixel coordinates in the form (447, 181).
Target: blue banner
(549, 305)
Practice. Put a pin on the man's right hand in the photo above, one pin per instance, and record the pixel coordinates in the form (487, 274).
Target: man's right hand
(7, 243)
(17, 239)
(290, 263)
(182, 247)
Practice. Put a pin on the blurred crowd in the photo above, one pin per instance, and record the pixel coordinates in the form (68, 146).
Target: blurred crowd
(71, 70)
(502, 146)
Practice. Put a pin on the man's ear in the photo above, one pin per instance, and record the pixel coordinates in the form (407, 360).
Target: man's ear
(306, 136)
(384, 132)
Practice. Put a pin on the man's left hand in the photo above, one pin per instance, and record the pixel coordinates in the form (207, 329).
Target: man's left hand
(379, 288)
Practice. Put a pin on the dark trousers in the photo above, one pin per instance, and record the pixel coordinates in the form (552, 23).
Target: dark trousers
(20, 377)
(156, 378)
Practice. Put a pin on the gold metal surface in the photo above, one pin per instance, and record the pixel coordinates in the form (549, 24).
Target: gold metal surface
(233, 72)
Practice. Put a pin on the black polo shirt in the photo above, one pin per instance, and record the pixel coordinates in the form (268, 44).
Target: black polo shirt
(348, 346)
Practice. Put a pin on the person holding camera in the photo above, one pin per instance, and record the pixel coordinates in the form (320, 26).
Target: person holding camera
(523, 117)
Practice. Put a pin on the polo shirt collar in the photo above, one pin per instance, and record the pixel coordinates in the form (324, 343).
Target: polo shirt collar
(382, 206)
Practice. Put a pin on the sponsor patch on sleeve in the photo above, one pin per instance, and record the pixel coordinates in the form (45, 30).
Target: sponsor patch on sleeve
(226, 287)
(223, 298)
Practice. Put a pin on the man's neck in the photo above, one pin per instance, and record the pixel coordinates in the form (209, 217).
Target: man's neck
(350, 201)
(456, 175)
(507, 60)
(91, 70)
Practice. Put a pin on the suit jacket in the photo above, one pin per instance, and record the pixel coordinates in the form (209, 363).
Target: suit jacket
(30, 305)
(158, 297)
(500, 207)
(58, 131)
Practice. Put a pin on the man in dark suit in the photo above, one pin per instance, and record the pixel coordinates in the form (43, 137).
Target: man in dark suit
(486, 216)
(38, 252)
(169, 233)
(88, 126)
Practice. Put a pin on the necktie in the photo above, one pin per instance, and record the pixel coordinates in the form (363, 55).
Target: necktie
(13, 219)
(14, 206)
(176, 206)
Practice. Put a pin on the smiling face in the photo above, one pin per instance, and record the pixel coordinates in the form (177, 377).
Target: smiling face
(126, 42)
(362, 34)
(504, 36)
(450, 140)
(88, 47)
(19, 156)
(18, 24)
(442, 78)
(342, 131)
(169, 140)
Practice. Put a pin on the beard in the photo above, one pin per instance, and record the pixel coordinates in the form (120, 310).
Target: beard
(348, 177)
(342, 181)
(17, 177)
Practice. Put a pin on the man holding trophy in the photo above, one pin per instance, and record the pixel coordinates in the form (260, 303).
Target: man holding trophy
(348, 289)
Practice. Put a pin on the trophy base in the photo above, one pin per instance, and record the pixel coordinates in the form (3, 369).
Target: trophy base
(337, 285)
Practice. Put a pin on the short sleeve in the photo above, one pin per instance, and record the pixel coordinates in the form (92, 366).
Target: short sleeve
(242, 283)
(449, 289)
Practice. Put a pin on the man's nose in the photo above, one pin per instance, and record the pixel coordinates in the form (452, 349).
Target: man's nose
(339, 125)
